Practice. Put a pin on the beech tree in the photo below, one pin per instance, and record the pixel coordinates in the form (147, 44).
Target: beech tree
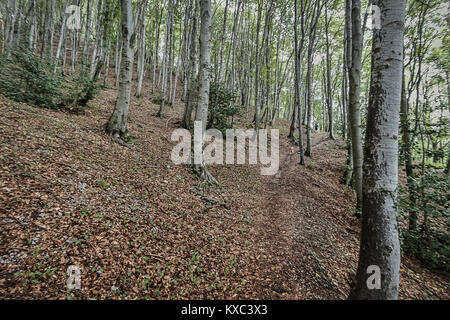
(379, 231)
(204, 85)
(354, 93)
(116, 126)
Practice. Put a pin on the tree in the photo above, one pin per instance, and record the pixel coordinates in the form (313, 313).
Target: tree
(116, 126)
(298, 59)
(309, 72)
(141, 51)
(191, 71)
(204, 85)
(379, 232)
(354, 93)
(329, 90)
(167, 56)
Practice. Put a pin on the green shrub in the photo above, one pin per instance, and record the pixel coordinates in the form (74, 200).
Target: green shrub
(25, 77)
(221, 107)
(430, 242)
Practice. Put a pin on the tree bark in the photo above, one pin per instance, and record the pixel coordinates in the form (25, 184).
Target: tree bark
(354, 102)
(204, 85)
(191, 71)
(329, 90)
(117, 124)
(298, 60)
(166, 59)
(379, 232)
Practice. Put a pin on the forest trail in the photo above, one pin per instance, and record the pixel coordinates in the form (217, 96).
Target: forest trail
(308, 227)
(302, 219)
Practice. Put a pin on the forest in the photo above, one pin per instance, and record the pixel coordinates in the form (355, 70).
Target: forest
(224, 150)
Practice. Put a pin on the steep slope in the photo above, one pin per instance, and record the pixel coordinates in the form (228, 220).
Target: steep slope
(142, 228)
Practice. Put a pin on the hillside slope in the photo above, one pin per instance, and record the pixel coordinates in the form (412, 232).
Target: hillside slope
(143, 228)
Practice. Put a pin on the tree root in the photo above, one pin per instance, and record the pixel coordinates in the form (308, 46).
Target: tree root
(115, 137)
(119, 141)
(205, 175)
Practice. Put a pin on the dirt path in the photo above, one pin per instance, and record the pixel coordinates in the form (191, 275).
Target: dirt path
(311, 236)
(288, 232)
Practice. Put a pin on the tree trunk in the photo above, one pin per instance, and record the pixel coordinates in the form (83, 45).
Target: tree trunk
(406, 151)
(258, 27)
(204, 84)
(379, 232)
(13, 22)
(354, 102)
(298, 60)
(155, 60)
(62, 36)
(222, 42)
(329, 90)
(310, 103)
(117, 124)
(87, 35)
(166, 59)
(191, 71)
(141, 53)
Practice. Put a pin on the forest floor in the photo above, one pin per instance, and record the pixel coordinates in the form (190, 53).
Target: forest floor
(140, 227)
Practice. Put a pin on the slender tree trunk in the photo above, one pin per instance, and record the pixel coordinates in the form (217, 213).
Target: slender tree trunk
(155, 60)
(87, 35)
(141, 53)
(310, 100)
(118, 58)
(52, 28)
(177, 69)
(354, 96)
(298, 73)
(187, 43)
(258, 27)
(33, 27)
(329, 90)
(222, 42)
(166, 59)
(97, 45)
(62, 36)
(347, 179)
(117, 124)
(406, 151)
(191, 71)
(204, 84)
(13, 23)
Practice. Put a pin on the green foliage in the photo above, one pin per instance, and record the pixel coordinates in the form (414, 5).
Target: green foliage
(81, 90)
(25, 77)
(158, 99)
(430, 243)
(221, 107)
